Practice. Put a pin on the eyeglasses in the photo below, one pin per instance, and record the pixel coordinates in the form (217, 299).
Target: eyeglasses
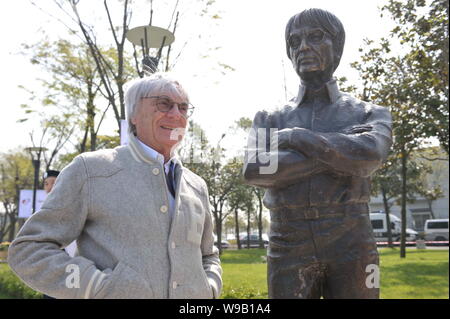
(165, 104)
(313, 37)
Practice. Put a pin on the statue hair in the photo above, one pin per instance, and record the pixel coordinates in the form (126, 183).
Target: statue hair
(324, 19)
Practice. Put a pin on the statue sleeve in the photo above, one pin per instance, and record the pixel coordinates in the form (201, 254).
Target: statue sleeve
(273, 168)
(357, 151)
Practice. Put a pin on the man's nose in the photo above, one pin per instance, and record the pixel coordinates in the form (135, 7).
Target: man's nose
(174, 111)
(304, 45)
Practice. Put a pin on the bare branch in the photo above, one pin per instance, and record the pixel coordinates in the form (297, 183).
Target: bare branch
(57, 19)
(98, 58)
(42, 137)
(173, 13)
(151, 12)
(101, 119)
(179, 53)
(125, 23)
(139, 72)
(434, 158)
(170, 47)
(110, 23)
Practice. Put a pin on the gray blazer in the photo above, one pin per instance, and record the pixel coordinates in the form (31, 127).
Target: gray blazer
(114, 204)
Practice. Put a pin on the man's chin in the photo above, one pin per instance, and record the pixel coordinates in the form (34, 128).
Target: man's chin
(169, 147)
(309, 74)
(315, 75)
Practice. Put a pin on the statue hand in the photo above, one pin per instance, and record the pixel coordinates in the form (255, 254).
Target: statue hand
(357, 129)
(281, 139)
(306, 141)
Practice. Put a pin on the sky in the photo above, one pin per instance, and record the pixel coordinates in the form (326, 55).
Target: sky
(248, 36)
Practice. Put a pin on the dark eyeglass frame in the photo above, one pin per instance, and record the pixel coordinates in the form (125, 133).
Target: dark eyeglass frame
(189, 111)
(315, 36)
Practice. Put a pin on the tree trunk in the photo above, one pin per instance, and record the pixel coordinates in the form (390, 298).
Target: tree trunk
(248, 228)
(12, 226)
(219, 235)
(236, 228)
(3, 220)
(430, 203)
(260, 226)
(84, 141)
(403, 202)
(218, 215)
(91, 117)
(388, 217)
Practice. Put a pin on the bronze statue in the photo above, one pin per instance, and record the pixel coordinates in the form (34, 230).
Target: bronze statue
(325, 144)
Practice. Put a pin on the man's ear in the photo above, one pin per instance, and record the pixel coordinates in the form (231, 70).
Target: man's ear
(133, 118)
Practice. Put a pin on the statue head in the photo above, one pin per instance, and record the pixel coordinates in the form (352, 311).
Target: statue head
(314, 43)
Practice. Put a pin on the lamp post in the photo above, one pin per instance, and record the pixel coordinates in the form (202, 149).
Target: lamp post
(148, 37)
(35, 153)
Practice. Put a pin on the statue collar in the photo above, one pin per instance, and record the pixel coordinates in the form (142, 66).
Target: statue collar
(331, 86)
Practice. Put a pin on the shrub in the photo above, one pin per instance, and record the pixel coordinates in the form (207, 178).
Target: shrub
(243, 293)
(4, 245)
(12, 286)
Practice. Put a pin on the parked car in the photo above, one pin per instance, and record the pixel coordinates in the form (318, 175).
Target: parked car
(254, 241)
(224, 243)
(379, 227)
(436, 229)
(411, 235)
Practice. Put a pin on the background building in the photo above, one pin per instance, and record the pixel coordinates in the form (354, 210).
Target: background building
(422, 209)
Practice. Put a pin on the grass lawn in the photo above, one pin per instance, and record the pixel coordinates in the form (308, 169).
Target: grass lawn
(244, 274)
(12, 288)
(4, 296)
(422, 274)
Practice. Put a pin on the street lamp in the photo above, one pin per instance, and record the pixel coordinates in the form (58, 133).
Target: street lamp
(148, 37)
(35, 153)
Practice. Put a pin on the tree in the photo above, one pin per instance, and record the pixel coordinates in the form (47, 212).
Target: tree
(54, 134)
(73, 83)
(259, 194)
(407, 81)
(240, 198)
(388, 181)
(113, 76)
(220, 180)
(423, 32)
(431, 195)
(431, 179)
(16, 173)
(244, 124)
(103, 142)
(70, 102)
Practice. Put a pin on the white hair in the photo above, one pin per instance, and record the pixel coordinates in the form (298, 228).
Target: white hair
(147, 86)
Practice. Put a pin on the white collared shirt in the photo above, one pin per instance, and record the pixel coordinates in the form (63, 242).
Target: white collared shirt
(160, 158)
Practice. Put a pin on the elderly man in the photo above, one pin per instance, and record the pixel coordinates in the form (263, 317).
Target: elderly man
(49, 180)
(326, 145)
(141, 220)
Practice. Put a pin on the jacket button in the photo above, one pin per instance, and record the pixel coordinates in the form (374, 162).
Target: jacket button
(173, 245)
(163, 209)
(174, 285)
(155, 171)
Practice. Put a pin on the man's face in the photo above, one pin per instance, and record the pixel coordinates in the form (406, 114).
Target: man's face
(48, 183)
(160, 130)
(311, 49)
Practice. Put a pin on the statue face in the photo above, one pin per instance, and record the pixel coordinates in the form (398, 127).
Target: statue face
(311, 50)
